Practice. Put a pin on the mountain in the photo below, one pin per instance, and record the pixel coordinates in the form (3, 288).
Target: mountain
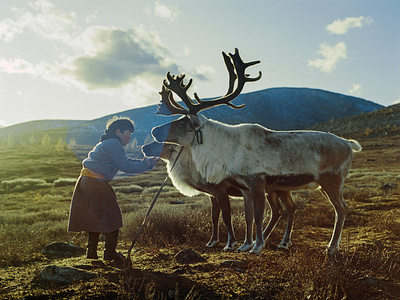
(292, 108)
(275, 108)
(383, 122)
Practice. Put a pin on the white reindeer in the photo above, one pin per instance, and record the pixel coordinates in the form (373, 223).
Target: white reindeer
(288, 160)
(189, 182)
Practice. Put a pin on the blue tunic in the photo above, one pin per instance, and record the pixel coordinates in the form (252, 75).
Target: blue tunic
(108, 156)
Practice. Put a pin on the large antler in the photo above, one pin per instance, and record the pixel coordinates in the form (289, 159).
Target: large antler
(233, 63)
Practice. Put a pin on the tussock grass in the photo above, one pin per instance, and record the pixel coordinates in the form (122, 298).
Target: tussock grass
(364, 194)
(65, 182)
(23, 184)
(30, 220)
(22, 243)
(19, 218)
(152, 190)
(170, 224)
(37, 162)
(303, 273)
(129, 189)
(30, 184)
(374, 176)
(316, 276)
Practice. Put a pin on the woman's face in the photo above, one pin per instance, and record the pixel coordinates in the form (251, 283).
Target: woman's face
(124, 137)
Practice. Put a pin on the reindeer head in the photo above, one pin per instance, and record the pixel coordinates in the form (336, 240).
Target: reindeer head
(183, 130)
(163, 150)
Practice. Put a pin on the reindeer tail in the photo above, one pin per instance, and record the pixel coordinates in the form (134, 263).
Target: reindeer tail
(355, 146)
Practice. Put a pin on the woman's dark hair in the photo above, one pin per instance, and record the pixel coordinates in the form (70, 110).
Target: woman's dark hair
(120, 123)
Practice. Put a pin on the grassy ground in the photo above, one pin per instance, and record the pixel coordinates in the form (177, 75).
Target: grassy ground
(36, 187)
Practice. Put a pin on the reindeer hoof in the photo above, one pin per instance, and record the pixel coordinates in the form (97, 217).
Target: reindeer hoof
(245, 247)
(284, 246)
(229, 247)
(256, 249)
(211, 244)
(331, 251)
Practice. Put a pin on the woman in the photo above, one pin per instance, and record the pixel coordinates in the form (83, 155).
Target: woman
(94, 207)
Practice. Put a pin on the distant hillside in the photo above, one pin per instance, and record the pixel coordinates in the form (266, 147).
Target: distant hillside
(275, 108)
(25, 133)
(292, 108)
(39, 125)
(385, 121)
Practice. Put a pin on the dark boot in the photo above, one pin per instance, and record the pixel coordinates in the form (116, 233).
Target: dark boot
(93, 240)
(111, 244)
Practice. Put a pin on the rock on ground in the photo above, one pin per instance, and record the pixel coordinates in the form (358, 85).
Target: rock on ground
(59, 249)
(189, 256)
(63, 275)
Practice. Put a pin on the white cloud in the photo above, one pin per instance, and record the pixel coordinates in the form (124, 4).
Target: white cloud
(164, 12)
(342, 26)
(186, 51)
(356, 90)
(104, 57)
(203, 72)
(43, 20)
(9, 29)
(331, 57)
(116, 56)
(17, 66)
(90, 18)
(126, 63)
(141, 91)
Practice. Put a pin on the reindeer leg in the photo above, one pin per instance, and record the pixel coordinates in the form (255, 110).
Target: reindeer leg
(332, 185)
(215, 212)
(259, 207)
(249, 216)
(276, 210)
(223, 200)
(287, 201)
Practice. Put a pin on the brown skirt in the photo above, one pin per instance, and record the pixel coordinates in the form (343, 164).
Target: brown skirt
(94, 207)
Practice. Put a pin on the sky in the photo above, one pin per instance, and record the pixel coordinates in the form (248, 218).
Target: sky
(81, 60)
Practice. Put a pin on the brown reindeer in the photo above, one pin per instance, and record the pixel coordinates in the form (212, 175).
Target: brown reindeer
(287, 160)
(189, 182)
